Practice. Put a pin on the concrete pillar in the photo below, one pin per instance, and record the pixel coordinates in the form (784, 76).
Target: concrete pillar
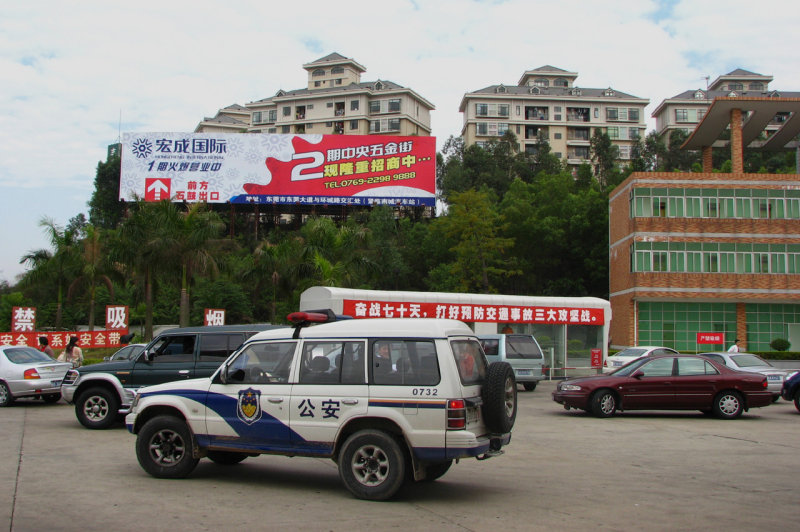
(708, 162)
(737, 156)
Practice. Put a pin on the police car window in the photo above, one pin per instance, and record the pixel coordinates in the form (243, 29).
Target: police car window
(217, 347)
(404, 362)
(265, 362)
(178, 348)
(332, 362)
(470, 361)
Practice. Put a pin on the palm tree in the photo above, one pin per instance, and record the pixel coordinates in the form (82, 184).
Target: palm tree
(91, 269)
(58, 265)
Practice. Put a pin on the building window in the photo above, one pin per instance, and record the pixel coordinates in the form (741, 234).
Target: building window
(541, 82)
(284, 129)
(287, 111)
(482, 128)
(337, 70)
(354, 105)
(481, 109)
(273, 115)
(735, 86)
(560, 82)
(681, 115)
(756, 86)
(257, 117)
(338, 81)
(354, 124)
(557, 136)
(317, 83)
(318, 72)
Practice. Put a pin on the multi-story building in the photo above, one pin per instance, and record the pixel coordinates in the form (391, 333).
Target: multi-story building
(686, 110)
(546, 104)
(335, 101)
(709, 252)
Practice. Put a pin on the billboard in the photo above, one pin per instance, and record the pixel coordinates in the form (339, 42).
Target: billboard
(279, 169)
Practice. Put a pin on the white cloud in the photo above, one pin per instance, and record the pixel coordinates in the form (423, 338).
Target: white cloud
(70, 71)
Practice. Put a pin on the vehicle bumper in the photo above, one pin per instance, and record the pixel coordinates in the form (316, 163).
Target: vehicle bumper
(33, 387)
(464, 444)
(68, 392)
(757, 399)
(571, 399)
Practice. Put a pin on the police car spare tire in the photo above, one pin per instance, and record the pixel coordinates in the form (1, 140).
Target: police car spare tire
(500, 397)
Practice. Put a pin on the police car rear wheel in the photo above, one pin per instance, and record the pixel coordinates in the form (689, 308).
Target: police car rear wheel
(225, 457)
(164, 448)
(372, 465)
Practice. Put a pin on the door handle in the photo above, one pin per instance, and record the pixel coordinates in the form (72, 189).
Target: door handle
(184, 373)
(350, 401)
(275, 400)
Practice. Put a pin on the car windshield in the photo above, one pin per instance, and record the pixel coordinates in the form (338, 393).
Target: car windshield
(630, 367)
(522, 347)
(750, 361)
(630, 352)
(26, 355)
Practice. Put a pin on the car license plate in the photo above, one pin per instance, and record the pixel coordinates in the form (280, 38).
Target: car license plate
(524, 372)
(55, 384)
(615, 363)
(773, 377)
(472, 415)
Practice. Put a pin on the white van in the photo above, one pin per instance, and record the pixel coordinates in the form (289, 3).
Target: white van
(522, 351)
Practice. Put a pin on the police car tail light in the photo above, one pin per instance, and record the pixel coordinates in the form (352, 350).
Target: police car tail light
(456, 414)
(31, 374)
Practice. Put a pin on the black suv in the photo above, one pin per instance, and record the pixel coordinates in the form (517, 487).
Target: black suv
(103, 391)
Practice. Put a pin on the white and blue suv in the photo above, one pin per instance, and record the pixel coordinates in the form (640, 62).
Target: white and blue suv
(386, 399)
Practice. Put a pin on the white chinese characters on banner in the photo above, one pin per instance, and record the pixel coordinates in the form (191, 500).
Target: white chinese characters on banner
(116, 317)
(214, 316)
(23, 319)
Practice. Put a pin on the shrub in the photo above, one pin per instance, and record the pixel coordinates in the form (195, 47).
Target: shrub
(780, 344)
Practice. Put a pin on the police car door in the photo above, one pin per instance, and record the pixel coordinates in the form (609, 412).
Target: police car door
(250, 410)
(331, 390)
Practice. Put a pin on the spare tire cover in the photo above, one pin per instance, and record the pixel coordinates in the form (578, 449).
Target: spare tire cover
(500, 397)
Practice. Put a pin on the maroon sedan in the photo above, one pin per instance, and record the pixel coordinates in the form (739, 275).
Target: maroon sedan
(667, 383)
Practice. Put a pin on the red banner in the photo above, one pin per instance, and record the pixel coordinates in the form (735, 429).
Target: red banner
(58, 340)
(597, 358)
(214, 316)
(711, 338)
(473, 313)
(23, 319)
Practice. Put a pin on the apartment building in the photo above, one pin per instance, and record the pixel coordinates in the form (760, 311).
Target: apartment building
(547, 104)
(710, 252)
(334, 102)
(686, 110)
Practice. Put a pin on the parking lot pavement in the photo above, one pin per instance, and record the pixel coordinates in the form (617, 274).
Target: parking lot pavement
(563, 470)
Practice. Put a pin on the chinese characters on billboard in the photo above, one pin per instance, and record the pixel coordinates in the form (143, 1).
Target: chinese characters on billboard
(23, 330)
(473, 313)
(214, 316)
(279, 169)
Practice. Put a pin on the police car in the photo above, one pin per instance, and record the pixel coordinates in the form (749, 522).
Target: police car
(386, 399)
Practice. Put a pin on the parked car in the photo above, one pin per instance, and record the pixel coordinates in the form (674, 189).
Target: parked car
(629, 354)
(128, 352)
(28, 372)
(791, 388)
(409, 397)
(753, 364)
(103, 391)
(522, 351)
(679, 382)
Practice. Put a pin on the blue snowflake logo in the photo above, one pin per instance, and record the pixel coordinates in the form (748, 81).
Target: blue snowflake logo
(142, 148)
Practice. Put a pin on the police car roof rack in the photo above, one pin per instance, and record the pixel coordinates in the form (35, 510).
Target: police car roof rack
(306, 318)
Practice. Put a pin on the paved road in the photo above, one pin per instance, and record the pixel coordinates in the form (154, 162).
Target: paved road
(563, 471)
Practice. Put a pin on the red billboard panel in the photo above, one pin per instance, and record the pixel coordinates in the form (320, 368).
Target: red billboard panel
(710, 338)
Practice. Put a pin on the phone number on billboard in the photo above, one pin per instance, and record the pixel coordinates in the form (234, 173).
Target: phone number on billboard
(370, 180)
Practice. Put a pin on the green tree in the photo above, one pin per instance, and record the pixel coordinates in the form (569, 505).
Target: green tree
(675, 159)
(58, 265)
(105, 208)
(604, 157)
(92, 268)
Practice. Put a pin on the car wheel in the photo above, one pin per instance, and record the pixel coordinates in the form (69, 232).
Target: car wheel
(604, 403)
(97, 408)
(529, 386)
(165, 448)
(51, 398)
(5, 395)
(500, 397)
(728, 405)
(226, 457)
(436, 470)
(372, 465)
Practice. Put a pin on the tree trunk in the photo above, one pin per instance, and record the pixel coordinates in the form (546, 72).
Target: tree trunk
(184, 309)
(148, 301)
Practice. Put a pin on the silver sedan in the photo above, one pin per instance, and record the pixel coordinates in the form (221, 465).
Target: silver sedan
(27, 372)
(753, 364)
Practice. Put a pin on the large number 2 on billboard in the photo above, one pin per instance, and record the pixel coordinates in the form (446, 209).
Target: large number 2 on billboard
(318, 159)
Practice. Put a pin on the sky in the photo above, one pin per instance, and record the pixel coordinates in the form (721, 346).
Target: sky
(73, 75)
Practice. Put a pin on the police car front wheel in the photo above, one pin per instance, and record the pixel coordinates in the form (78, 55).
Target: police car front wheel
(372, 464)
(164, 448)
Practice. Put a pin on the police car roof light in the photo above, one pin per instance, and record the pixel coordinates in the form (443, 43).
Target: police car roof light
(299, 318)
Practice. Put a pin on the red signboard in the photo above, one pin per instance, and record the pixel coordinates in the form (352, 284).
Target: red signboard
(474, 313)
(711, 338)
(597, 358)
(214, 316)
(116, 317)
(23, 319)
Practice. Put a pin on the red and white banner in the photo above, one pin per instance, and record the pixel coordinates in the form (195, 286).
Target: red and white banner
(23, 319)
(58, 340)
(279, 169)
(214, 316)
(116, 317)
(711, 338)
(473, 313)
